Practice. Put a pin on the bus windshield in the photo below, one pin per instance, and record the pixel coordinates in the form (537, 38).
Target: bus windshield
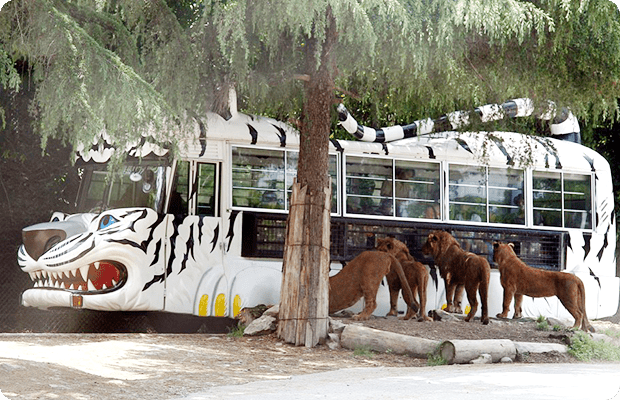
(132, 185)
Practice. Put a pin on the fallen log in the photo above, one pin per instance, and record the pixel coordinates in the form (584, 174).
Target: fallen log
(527, 347)
(464, 351)
(356, 336)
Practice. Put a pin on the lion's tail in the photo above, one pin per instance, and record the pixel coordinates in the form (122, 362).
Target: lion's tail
(407, 293)
(585, 323)
(484, 296)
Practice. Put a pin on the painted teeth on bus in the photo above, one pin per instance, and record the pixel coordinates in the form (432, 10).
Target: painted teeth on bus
(203, 234)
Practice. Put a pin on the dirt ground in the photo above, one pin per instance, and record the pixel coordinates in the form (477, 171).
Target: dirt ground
(164, 366)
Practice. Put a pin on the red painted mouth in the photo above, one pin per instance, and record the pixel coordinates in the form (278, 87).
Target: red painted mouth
(101, 276)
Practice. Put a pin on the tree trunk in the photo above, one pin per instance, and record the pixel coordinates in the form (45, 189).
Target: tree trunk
(304, 298)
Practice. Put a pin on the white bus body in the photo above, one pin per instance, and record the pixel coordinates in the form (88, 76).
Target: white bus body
(204, 234)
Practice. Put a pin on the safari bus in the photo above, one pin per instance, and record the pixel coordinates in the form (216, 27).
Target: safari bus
(203, 233)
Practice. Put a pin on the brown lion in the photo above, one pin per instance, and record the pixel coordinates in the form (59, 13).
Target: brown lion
(460, 268)
(361, 277)
(518, 279)
(416, 275)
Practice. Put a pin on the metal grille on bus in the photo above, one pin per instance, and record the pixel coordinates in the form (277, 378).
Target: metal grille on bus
(264, 234)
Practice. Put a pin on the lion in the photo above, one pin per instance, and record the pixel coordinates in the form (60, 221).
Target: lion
(416, 274)
(460, 268)
(361, 277)
(518, 279)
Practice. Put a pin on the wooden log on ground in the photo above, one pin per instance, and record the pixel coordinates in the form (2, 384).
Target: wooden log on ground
(356, 336)
(530, 347)
(464, 351)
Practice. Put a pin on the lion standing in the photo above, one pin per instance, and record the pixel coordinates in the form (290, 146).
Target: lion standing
(519, 279)
(416, 274)
(460, 268)
(361, 277)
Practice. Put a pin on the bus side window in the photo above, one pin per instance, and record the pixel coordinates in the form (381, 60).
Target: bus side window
(180, 190)
(206, 190)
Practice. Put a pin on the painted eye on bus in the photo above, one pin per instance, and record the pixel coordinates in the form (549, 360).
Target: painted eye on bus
(106, 221)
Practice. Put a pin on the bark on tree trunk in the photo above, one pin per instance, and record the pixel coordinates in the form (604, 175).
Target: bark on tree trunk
(304, 295)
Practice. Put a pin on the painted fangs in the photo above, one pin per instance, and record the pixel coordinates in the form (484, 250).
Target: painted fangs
(94, 277)
(84, 272)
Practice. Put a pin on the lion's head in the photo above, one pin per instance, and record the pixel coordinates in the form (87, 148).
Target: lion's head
(395, 247)
(502, 250)
(438, 242)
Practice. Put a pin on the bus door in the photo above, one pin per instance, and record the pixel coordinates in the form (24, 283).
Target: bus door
(195, 282)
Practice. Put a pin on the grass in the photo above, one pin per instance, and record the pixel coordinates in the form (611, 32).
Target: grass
(363, 351)
(542, 324)
(435, 358)
(237, 331)
(584, 348)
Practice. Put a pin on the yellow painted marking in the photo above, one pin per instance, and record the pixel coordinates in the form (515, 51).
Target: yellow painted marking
(236, 305)
(202, 306)
(220, 305)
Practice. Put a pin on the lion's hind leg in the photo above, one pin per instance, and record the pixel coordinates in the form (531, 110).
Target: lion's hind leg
(518, 309)
(471, 290)
(370, 304)
(422, 294)
(394, 286)
(369, 292)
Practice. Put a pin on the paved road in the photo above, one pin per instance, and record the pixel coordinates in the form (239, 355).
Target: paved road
(463, 382)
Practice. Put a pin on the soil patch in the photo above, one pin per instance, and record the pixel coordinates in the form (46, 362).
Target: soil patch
(163, 366)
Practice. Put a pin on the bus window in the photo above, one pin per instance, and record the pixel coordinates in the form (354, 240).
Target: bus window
(333, 173)
(179, 196)
(506, 201)
(206, 204)
(369, 185)
(467, 193)
(96, 187)
(547, 193)
(264, 178)
(292, 158)
(417, 189)
(258, 178)
(577, 201)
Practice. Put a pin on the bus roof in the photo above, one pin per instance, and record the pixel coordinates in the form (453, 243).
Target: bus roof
(479, 148)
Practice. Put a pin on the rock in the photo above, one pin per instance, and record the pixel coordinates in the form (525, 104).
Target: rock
(336, 326)
(260, 326)
(441, 315)
(483, 359)
(560, 322)
(506, 360)
(601, 337)
(249, 314)
(333, 341)
(274, 311)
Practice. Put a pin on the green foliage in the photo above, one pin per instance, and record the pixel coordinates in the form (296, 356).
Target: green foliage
(363, 351)
(130, 68)
(542, 324)
(236, 331)
(584, 348)
(434, 360)
(121, 69)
